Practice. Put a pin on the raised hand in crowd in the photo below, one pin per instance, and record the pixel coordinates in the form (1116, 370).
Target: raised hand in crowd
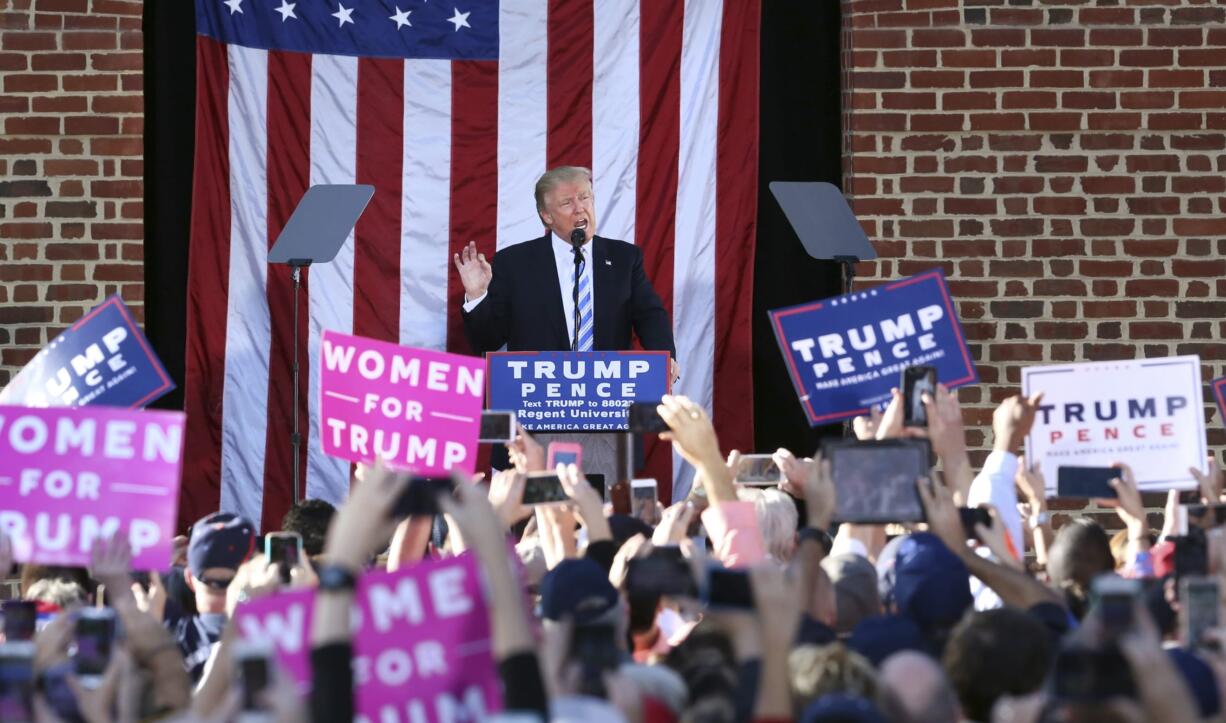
(1209, 483)
(693, 436)
(636, 547)
(948, 437)
(526, 454)
(364, 523)
(865, 427)
(1034, 510)
(259, 577)
(891, 423)
(587, 503)
(777, 602)
(1014, 586)
(1130, 509)
(150, 645)
(674, 523)
(1012, 421)
(555, 524)
(506, 494)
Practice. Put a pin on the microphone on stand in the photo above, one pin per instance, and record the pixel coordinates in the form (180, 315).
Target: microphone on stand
(577, 237)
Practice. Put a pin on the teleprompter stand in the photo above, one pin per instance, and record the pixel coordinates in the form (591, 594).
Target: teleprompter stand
(823, 221)
(826, 227)
(314, 234)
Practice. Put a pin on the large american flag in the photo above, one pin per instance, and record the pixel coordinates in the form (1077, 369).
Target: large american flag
(451, 109)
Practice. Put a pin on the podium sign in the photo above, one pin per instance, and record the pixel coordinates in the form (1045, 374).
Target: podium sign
(575, 391)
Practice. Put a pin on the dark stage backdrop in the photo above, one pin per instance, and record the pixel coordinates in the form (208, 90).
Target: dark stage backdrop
(800, 141)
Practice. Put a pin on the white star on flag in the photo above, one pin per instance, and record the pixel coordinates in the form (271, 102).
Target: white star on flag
(234, 5)
(460, 20)
(287, 10)
(343, 15)
(401, 17)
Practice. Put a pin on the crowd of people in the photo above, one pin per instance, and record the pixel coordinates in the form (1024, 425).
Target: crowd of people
(742, 603)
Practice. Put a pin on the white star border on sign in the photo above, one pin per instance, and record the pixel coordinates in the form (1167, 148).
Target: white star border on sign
(287, 10)
(343, 15)
(236, 6)
(459, 20)
(401, 17)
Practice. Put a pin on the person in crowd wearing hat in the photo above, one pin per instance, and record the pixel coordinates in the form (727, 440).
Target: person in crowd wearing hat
(219, 544)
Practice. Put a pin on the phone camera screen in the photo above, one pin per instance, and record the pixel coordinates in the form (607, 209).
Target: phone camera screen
(542, 489)
(93, 645)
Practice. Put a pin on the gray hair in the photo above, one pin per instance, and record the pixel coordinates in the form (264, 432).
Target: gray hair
(555, 177)
(777, 518)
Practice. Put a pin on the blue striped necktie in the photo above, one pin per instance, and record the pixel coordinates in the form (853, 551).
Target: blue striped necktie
(582, 296)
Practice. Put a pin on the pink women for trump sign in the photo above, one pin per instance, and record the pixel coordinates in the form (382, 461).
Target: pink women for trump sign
(69, 476)
(421, 642)
(416, 409)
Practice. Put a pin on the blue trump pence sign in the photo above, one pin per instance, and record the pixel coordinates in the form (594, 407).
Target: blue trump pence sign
(575, 391)
(845, 353)
(103, 359)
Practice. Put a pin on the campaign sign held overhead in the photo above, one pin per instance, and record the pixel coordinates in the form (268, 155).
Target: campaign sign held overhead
(70, 476)
(421, 642)
(845, 353)
(416, 409)
(1146, 413)
(575, 391)
(103, 359)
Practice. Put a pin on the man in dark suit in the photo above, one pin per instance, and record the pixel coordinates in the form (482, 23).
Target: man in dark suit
(569, 289)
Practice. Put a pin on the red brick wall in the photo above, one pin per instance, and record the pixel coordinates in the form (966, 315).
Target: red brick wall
(70, 166)
(1064, 162)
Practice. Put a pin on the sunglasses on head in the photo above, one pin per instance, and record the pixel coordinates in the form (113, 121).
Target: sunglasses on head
(214, 583)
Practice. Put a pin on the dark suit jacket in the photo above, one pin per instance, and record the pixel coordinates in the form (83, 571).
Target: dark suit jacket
(523, 308)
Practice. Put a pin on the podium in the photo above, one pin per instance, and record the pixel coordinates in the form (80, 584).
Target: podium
(578, 393)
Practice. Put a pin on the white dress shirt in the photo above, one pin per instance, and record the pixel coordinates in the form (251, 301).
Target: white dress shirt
(564, 257)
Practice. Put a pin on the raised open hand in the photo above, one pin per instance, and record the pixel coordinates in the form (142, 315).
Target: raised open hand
(475, 271)
(1210, 483)
(1128, 505)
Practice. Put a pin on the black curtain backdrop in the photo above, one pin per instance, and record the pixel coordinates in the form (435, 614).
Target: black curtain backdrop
(800, 141)
(170, 123)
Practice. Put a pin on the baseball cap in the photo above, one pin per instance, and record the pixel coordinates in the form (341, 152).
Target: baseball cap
(578, 588)
(931, 585)
(222, 539)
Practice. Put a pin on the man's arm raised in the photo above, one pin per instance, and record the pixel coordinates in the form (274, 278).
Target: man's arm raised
(484, 311)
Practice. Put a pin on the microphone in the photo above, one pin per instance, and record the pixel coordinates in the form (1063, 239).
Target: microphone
(577, 237)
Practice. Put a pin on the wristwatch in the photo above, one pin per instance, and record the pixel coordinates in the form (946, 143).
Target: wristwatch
(335, 578)
(820, 536)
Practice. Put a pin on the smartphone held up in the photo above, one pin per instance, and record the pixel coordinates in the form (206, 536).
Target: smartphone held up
(916, 382)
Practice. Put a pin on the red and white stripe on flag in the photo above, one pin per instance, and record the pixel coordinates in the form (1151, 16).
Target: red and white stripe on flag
(658, 98)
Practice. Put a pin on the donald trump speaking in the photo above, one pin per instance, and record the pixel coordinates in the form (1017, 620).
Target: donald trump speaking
(570, 289)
